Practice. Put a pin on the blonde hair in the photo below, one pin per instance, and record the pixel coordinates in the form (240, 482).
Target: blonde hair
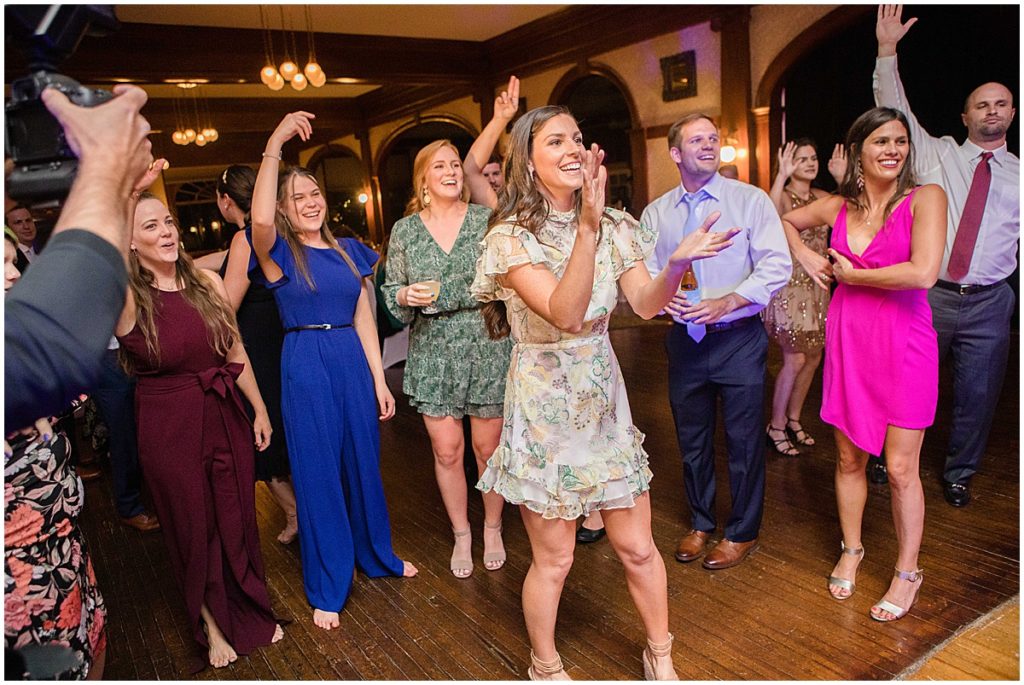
(419, 174)
(198, 291)
(291, 236)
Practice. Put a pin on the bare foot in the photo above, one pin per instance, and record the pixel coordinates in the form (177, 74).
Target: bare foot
(290, 531)
(408, 570)
(325, 619)
(278, 634)
(221, 653)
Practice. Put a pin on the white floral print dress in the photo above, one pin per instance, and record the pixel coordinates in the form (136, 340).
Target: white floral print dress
(568, 444)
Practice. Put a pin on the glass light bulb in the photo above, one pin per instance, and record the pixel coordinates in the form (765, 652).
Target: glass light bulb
(277, 83)
(212, 136)
(319, 79)
(299, 82)
(267, 74)
(190, 134)
(178, 138)
(363, 197)
(288, 70)
(311, 70)
(728, 153)
(200, 140)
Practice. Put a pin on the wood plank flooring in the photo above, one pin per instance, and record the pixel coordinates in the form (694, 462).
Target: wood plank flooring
(770, 618)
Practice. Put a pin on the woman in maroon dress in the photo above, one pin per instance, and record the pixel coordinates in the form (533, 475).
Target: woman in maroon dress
(178, 335)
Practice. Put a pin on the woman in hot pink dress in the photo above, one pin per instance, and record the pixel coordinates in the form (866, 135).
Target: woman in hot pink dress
(881, 355)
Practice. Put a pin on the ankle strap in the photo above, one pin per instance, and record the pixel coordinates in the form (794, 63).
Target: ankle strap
(546, 667)
(497, 527)
(664, 649)
(461, 533)
(912, 576)
(852, 551)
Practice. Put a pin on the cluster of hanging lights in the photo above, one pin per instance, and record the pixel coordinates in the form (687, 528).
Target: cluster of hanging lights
(188, 128)
(274, 77)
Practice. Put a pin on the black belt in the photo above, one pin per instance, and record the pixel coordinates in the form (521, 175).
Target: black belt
(318, 327)
(967, 289)
(728, 325)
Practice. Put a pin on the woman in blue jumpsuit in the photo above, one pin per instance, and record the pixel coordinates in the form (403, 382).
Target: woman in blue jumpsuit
(332, 380)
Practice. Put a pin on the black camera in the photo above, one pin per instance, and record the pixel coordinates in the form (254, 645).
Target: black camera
(44, 165)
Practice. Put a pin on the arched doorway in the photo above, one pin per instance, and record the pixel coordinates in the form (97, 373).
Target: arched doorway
(394, 163)
(342, 177)
(599, 100)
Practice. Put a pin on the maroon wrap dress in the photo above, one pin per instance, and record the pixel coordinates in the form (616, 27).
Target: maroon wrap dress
(197, 456)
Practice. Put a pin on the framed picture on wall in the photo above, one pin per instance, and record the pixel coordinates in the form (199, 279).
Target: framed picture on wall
(679, 76)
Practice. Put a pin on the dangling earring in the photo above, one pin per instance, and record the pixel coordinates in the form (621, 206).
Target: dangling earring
(529, 167)
(860, 177)
(426, 197)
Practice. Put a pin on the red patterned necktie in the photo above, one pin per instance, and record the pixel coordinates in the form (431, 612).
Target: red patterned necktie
(970, 220)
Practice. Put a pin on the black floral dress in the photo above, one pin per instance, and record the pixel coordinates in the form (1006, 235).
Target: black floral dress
(50, 593)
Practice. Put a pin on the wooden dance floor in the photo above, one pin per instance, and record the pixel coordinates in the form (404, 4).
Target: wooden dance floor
(769, 618)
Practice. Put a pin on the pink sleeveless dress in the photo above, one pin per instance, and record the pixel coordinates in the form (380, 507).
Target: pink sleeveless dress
(881, 352)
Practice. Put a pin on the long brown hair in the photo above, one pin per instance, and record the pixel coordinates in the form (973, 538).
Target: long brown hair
(291, 236)
(419, 175)
(859, 131)
(520, 202)
(196, 288)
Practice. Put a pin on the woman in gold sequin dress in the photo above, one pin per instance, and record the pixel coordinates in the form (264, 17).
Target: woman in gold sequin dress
(795, 316)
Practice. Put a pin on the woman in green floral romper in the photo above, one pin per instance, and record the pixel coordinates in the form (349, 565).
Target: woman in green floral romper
(453, 368)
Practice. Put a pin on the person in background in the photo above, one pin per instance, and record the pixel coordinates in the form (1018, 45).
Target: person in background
(886, 247)
(493, 173)
(972, 304)
(730, 171)
(19, 219)
(453, 369)
(262, 334)
(333, 387)
(795, 316)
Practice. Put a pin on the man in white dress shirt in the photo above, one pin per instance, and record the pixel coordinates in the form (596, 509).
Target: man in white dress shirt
(718, 346)
(20, 220)
(971, 303)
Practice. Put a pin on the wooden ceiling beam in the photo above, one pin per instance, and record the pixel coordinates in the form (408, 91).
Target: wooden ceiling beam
(260, 114)
(226, 55)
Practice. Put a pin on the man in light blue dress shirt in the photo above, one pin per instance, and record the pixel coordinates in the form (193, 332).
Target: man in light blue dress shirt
(718, 346)
(970, 311)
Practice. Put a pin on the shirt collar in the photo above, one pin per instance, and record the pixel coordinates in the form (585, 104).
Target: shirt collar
(712, 188)
(973, 151)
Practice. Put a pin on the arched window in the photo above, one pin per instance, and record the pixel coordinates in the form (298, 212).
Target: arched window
(343, 179)
(199, 219)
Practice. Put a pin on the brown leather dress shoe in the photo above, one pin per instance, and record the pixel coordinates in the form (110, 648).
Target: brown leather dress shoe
(143, 522)
(691, 547)
(727, 554)
(89, 472)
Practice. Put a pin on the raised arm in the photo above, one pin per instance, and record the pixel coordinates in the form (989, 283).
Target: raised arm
(819, 212)
(236, 276)
(505, 107)
(927, 241)
(563, 302)
(787, 165)
(264, 195)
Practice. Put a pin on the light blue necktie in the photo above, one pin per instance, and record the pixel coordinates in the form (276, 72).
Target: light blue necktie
(693, 222)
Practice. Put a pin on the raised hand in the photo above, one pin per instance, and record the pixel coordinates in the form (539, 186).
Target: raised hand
(507, 104)
(595, 177)
(149, 177)
(787, 159)
(702, 243)
(889, 28)
(293, 124)
(837, 163)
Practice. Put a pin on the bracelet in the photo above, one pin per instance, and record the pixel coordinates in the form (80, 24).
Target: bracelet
(277, 156)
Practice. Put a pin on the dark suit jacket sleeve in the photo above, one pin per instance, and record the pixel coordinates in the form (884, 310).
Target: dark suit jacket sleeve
(58, 320)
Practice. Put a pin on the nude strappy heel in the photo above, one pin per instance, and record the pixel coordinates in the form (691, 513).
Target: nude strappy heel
(843, 583)
(546, 670)
(654, 651)
(461, 563)
(495, 557)
(899, 612)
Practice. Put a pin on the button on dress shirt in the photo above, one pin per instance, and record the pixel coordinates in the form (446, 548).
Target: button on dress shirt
(951, 165)
(756, 264)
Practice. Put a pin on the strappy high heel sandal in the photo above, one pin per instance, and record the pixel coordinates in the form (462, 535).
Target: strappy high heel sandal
(654, 651)
(495, 557)
(461, 564)
(783, 446)
(899, 612)
(843, 583)
(798, 434)
(546, 670)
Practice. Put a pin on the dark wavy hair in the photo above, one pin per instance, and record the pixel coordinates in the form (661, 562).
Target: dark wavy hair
(860, 130)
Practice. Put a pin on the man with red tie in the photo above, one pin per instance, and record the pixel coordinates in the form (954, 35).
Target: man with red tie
(971, 303)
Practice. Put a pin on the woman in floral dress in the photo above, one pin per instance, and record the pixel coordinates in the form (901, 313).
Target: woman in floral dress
(453, 369)
(50, 593)
(553, 259)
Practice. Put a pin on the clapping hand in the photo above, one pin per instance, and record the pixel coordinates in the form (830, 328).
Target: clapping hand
(595, 177)
(837, 163)
(787, 159)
